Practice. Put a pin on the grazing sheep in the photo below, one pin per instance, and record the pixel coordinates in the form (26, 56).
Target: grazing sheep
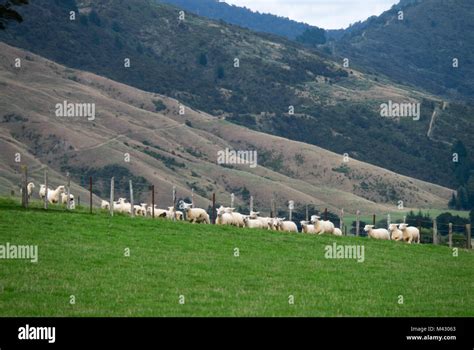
(322, 226)
(395, 233)
(286, 226)
(254, 223)
(410, 233)
(266, 221)
(379, 233)
(144, 209)
(42, 191)
(179, 215)
(138, 210)
(29, 188)
(337, 232)
(72, 203)
(54, 195)
(196, 215)
(122, 206)
(105, 205)
(224, 216)
(306, 227)
(159, 213)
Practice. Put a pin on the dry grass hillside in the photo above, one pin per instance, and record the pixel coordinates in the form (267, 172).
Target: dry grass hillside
(168, 149)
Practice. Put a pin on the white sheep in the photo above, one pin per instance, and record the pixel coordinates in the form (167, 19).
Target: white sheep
(379, 233)
(54, 195)
(410, 233)
(159, 213)
(138, 210)
(337, 232)
(285, 226)
(179, 215)
(266, 221)
(254, 223)
(196, 215)
(307, 227)
(395, 233)
(42, 191)
(105, 205)
(72, 203)
(122, 206)
(224, 216)
(322, 226)
(29, 188)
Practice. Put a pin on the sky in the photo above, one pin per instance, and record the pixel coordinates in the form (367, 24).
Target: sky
(327, 14)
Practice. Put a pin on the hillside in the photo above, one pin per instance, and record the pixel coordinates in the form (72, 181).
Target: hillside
(419, 49)
(168, 260)
(193, 61)
(244, 17)
(168, 149)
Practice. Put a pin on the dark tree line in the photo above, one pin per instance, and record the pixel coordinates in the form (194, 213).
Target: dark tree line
(7, 13)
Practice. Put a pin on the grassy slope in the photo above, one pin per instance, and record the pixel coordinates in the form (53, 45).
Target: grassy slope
(83, 255)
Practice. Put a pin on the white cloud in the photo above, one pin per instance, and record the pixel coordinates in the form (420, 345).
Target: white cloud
(328, 14)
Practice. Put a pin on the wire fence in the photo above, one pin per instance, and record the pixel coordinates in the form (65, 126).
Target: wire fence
(138, 190)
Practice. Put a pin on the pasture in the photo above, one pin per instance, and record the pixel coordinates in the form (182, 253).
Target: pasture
(179, 269)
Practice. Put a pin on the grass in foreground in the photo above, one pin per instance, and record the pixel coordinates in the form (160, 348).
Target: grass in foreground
(83, 255)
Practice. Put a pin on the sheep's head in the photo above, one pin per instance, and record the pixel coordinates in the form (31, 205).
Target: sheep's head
(304, 223)
(254, 214)
(221, 211)
(392, 227)
(31, 185)
(61, 189)
(402, 226)
(186, 206)
(367, 228)
(314, 218)
(246, 220)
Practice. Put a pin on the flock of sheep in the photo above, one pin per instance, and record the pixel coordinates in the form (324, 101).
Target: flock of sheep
(228, 216)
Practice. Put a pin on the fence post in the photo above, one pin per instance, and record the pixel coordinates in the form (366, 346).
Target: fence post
(357, 222)
(68, 190)
(131, 199)
(404, 219)
(251, 204)
(450, 235)
(232, 197)
(435, 231)
(111, 207)
(46, 189)
(90, 194)
(153, 201)
(78, 200)
(468, 238)
(389, 220)
(325, 214)
(174, 203)
(374, 219)
(192, 197)
(307, 212)
(213, 208)
(341, 221)
(24, 191)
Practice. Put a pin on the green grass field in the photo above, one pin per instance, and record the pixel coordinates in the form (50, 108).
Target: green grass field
(84, 255)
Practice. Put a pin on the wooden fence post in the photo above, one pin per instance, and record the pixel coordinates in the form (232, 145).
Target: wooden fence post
(325, 214)
(468, 236)
(435, 231)
(232, 197)
(213, 208)
(132, 208)
(374, 219)
(46, 189)
(68, 190)
(357, 223)
(153, 201)
(307, 212)
(341, 221)
(78, 200)
(450, 235)
(174, 203)
(192, 197)
(251, 204)
(24, 186)
(111, 207)
(90, 194)
(389, 220)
